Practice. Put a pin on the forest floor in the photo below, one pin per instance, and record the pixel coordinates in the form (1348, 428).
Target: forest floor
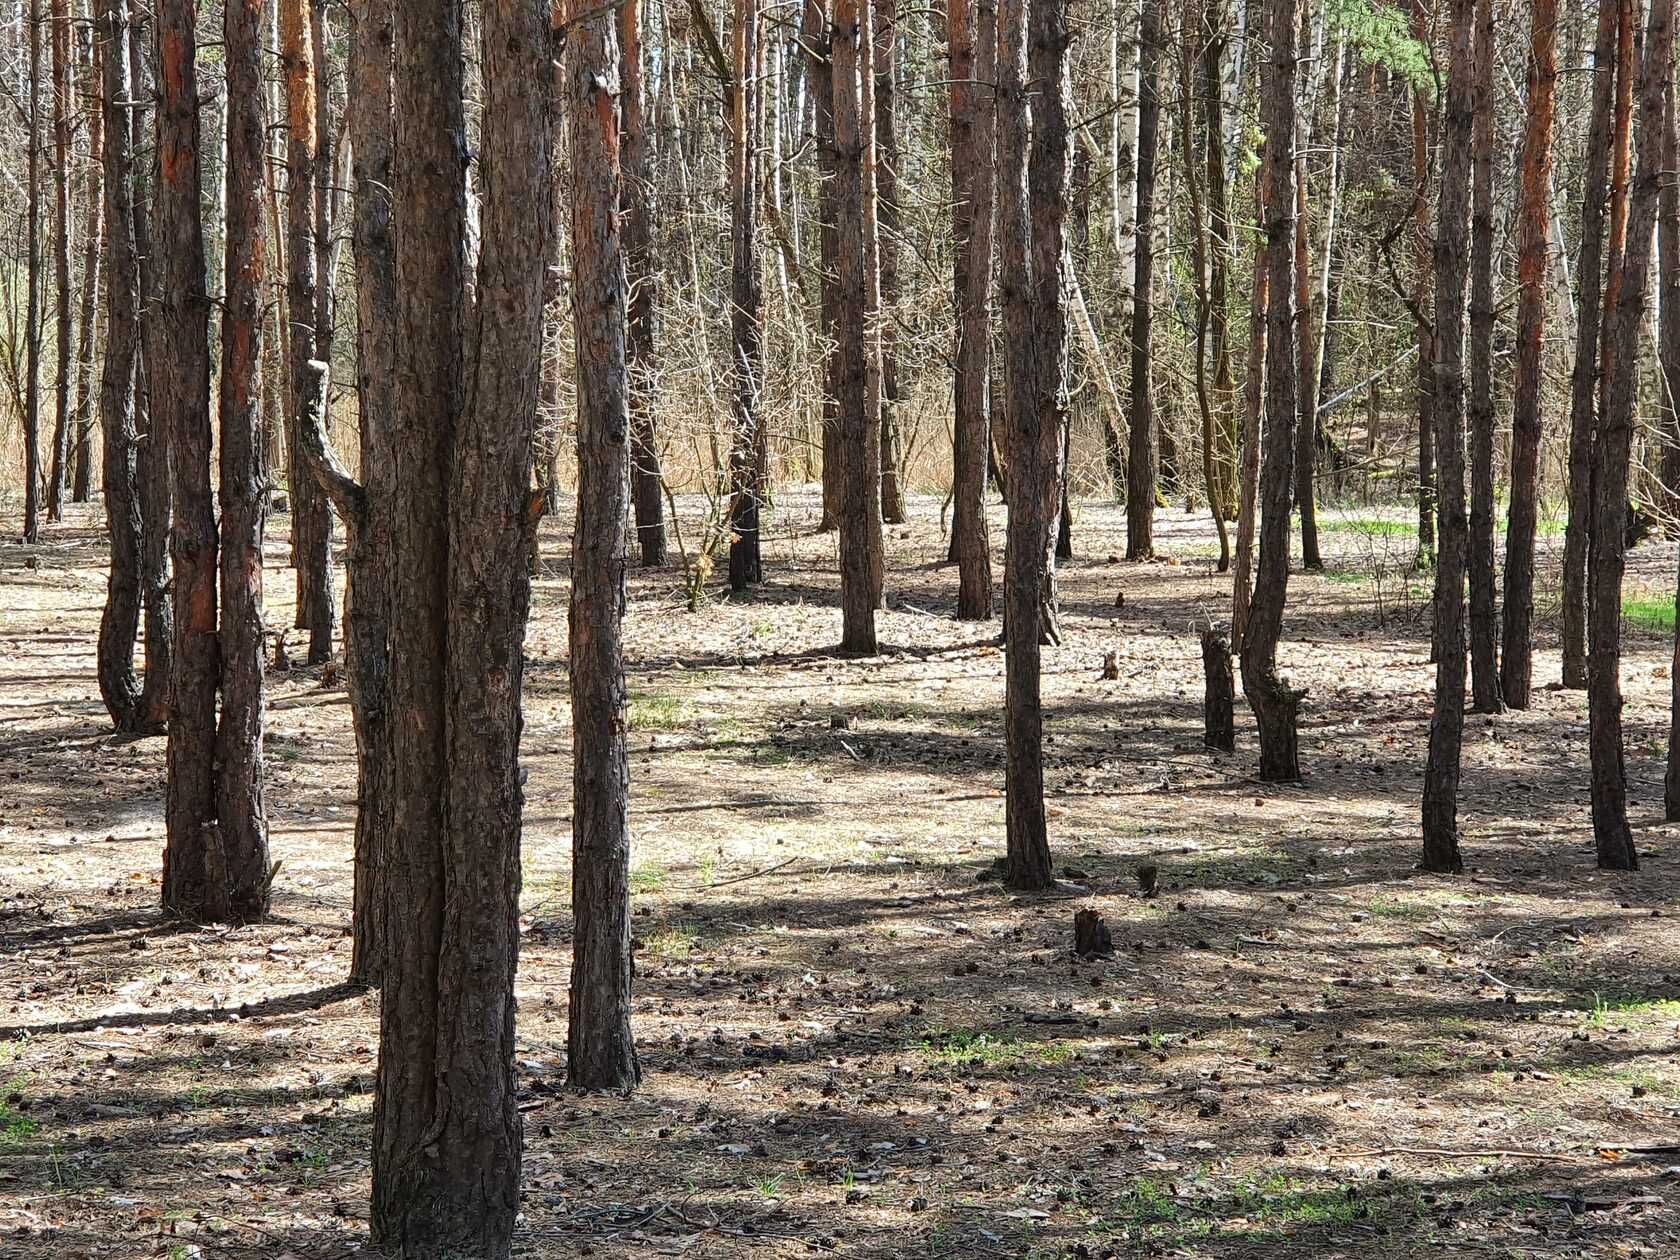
(853, 1042)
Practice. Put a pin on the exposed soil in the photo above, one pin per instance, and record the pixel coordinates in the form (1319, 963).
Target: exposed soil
(853, 1042)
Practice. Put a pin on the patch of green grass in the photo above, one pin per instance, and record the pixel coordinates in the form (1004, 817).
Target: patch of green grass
(1630, 1008)
(1371, 526)
(659, 711)
(1346, 577)
(1649, 612)
(15, 1127)
(647, 877)
(676, 940)
(1398, 908)
(965, 1047)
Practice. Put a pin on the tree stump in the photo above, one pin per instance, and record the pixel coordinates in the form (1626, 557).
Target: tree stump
(1219, 726)
(1090, 935)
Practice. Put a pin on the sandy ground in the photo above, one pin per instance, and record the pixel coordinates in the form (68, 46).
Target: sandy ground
(853, 1043)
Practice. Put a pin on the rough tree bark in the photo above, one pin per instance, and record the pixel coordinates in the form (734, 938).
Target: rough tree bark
(859, 424)
(1191, 58)
(368, 617)
(1584, 378)
(1422, 24)
(120, 623)
(1306, 336)
(1275, 703)
(1452, 264)
(1484, 617)
(1140, 465)
(155, 481)
(1611, 834)
(1248, 475)
(93, 262)
(973, 48)
(310, 512)
(887, 211)
(746, 308)
(59, 473)
(1034, 178)
(602, 1054)
(447, 1132)
(241, 816)
(1533, 212)
(32, 312)
(647, 490)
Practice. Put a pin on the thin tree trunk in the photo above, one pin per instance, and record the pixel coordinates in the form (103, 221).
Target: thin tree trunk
(1140, 465)
(1190, 59)
(819, 46)
(1222, 261)
(1533, 211)
(119, 625)
(205, 876)
(1452, 229)
(93, 261)
(311, 514)
(972, 25)
(1274, 702)
(647, 490)
(1584, 379)
(368, 616)
(860, 427)
(746, 310)
(1306, 334)
(1668, 313)
(601, 1052)
(1034, 180)
(59, 475)
(1254, 397)
(156, 481)
(32, 314)
(1421, 29)
(241, 815)
(1611, 834)
(887, 209)
(1484, 617)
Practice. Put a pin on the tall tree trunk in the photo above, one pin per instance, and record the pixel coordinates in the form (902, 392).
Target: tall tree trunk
(1275, 703)
(1422, 24)
(1034, 180)
(205, 876)
(1533, 211)
(1452, 229)
(746, 310)
(1611, 834)
(1254, 398)
(447, 1132)
(241, 816)
(59, 475)
(156, 480)
(1140, 466)
(93, 261)
(647, 489)
(1306, 334)
(311, 514)
(819, 46)
(1668, 312)
(972, 25)
(602, 1054)
(1191, 56)
(1484, 617)
(368, 616)
(1584, 378)
(119, 625)
(32, 314)
(1222, 261)
(860, 424)
(887, 209)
